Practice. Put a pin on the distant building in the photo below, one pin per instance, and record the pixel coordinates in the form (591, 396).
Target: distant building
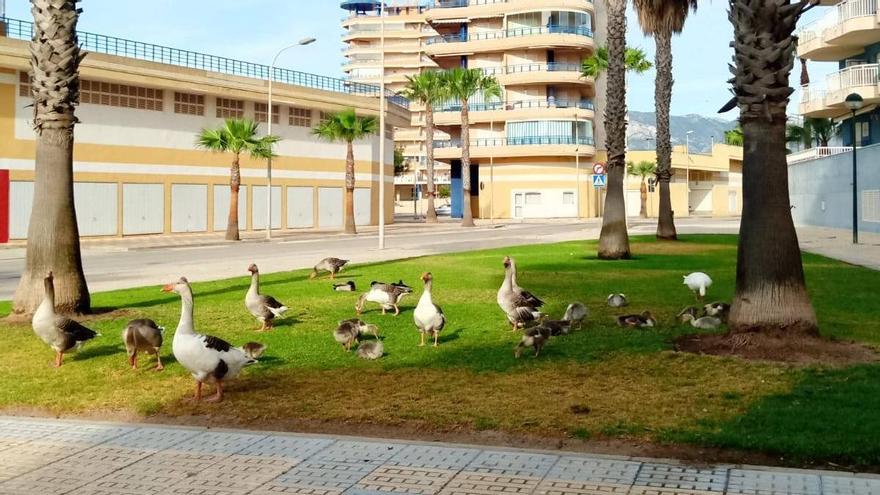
(135, 164)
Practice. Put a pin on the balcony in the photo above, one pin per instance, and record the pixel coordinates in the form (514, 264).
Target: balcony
(510, 39)
(816, 153)
(442, 10)
(449, 113)
(842, 32)
(515, 147)
(863, 79)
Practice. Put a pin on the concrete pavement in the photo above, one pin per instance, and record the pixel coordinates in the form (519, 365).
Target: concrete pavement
(51, 457)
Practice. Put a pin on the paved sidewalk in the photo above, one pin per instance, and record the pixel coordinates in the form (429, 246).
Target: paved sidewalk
(39, 456)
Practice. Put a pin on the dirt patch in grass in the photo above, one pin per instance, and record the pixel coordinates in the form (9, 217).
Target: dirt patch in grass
(779, 346)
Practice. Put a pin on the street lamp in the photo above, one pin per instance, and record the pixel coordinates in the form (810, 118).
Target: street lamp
(382, 125)
(854, 103)
(687, 160)
(577, 167)
(302, 42)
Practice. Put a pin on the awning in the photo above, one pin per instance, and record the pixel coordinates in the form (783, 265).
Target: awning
(450, 21)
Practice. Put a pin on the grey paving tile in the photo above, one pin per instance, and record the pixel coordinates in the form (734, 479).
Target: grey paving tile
(218, 443)
(325, 475)
(359, 452)
(278, 489)
(29, 429)
(850, 485)
(754, 482)
(197, 486)
(512, 463)
(483, 483)
(429, 456)
(245, 469)
(152, 439)
(131, 482)
(34, 455)
(658, 479)
(403, 479)
(561, 487)
(292, 449)
(571, 468)
(87, 434)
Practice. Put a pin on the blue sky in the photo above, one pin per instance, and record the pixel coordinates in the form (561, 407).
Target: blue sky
(256, 29)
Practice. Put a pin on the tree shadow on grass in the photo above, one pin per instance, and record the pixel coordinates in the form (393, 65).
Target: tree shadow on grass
(89, 352)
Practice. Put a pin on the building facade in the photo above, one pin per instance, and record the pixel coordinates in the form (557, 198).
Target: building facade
(136, 168)
(531, 150)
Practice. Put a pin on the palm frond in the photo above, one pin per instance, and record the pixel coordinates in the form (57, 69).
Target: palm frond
(345, 126)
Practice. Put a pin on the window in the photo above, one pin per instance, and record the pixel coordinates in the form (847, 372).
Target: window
(189, 104)
(228, 108)
(871, 205)
(325, 115)
(121, 95)
(533, 198)
(568, 198)
(300, 117)
(260, 112)
(863, 132)
(25, 84)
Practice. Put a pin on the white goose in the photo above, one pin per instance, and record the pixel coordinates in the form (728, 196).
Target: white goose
(208, 358)
(518, 304)
(698, 282)
(429, 318)
(264, 308)
(59, 332)
(387, 296)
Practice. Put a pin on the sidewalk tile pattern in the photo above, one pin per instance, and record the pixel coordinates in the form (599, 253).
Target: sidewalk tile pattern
(73, 458)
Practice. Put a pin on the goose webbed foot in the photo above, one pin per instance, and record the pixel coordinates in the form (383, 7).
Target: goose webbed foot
(218, 395)
(59, 357)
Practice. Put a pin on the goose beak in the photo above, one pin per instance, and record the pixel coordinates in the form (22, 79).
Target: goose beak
(168, 288)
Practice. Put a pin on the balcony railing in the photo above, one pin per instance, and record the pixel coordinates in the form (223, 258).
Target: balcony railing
(829, 24)
(511, 33)
(817, 152)
(454, 106)
(98, 43)
(517, 141)
(451, 4)
(853, 76)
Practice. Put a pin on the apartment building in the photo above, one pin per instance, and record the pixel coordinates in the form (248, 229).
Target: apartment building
(136, 169)
(532, 150)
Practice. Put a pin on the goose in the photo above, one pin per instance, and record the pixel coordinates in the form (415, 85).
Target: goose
(264, 308)
(698, 283)
(558, 327)
(386, 295)
(533, 337)
(429, 318)
(690, 310)
(371, 350)
(349, 331)
(576, 313)
(646, 319)
(518, 304)
(209, 359)
(59, 332)
(346, 287)
(332, 265)
(143, 335)
(719, 309)
(617, 300)
(704, 322)
(253, 350)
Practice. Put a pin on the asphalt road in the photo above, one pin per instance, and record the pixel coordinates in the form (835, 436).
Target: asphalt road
(121, 264)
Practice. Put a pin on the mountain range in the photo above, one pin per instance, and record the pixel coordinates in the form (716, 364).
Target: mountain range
(642, 129)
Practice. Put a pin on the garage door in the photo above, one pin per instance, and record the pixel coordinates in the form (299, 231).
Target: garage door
(300, 207)
(544, 203)
(21, 199)
(143, 209)
(362, 206)
(633, 203)
(96, 208)
(259, 207)
(221, 207)
(329, 207)
(189, 208)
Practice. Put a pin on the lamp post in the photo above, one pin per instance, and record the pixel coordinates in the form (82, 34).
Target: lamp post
(302, 42)
(687, 164)
(382, 125)
(577, 168)
(854, 102)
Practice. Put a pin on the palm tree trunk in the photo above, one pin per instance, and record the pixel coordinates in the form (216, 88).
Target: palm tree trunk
(232, 233)
(348, 203)
(771, 293)
(431, 215)
(53, 235)
(643, 193)
(613, 239)
(663, 100)
(467, 219)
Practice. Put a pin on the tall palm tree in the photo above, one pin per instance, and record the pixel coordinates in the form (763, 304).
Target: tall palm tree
(427, 89)
(53, 236)
(236, 136)
(462, 84)
(799, 134)
(734, 137)
(823, 130)
(347, 127)
(597, 63)
(662, 19)
(771, 293)
(613, 238)
(642, 170)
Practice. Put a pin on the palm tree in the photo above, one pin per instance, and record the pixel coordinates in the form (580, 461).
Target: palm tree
(347, 127)
(642, 170)
(597, 63)
(53, 236)
(823, 130)
(799, 134)
(771, 293)
(734, 137)
(462, 84)
(662, 19)
(236, 136)
(427, 89)
(613, 239)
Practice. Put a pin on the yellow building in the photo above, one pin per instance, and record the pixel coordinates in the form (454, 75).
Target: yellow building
(702, 184)
(135, 166)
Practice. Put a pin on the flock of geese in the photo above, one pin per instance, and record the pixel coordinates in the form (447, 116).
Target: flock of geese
(213, 360)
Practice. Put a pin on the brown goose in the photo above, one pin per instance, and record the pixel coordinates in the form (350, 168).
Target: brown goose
(264, 308)
(429, 318)
(518, 304)
(348, 332)
(332, 265)
(646, 319)
(533, 337)
(143, 335)
(386, 295)
(59, 332)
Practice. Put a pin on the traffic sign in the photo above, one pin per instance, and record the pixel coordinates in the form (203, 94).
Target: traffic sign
(599, 180)
(599, 168)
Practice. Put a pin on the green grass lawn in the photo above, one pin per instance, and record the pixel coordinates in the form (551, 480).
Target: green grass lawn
(601, 382)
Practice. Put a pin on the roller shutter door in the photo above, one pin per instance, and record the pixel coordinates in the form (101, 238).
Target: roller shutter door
(300, 207)
(189, 208)
(143, 209)
(221, 207)
(329, 207)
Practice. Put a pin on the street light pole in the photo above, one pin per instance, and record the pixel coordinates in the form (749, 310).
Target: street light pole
(687, 160)
(577, 167)
(854, 103)
(382, 125)
(302, 42)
